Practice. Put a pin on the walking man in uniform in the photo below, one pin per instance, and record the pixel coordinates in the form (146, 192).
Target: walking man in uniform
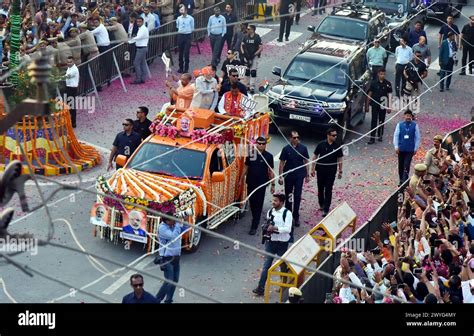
(378, 101)
(258, 171)
(251, 49)
(293, 156)
(329, 158)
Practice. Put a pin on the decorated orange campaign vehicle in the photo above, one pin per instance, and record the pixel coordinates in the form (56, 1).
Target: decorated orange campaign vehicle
(190, 167)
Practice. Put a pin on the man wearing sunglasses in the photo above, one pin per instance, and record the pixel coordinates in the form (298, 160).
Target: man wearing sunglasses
(233, 79)
(257, 172)
(329, 158)
(293, 159)
(230, 63)
(139, 295)
(125, 143)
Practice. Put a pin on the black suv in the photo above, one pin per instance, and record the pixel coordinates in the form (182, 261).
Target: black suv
(441, 9)
(353, 22)
(315, 89)
(401, 16)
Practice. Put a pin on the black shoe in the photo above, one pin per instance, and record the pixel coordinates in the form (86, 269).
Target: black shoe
(180, 71)
(462, 74)
(297, 222)
(371, 142)
(441, 90)
(297, 23)
(252, 232)
(258, 291)
(137, 82)
(279, 40)
(325, 213)
(287, 39)
(447, 89)
(99, 88)
(380, 139)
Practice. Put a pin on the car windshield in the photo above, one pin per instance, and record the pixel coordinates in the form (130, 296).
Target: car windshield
(399, 5)
(168, 160)
(316, 71)
(342, 27)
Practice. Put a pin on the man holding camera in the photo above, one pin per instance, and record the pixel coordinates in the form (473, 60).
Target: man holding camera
(276, 234)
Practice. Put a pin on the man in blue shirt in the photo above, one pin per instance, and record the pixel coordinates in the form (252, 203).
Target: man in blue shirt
(406, 140)
(414, 35)
(139, 295)
(216, 30)
(294, 156)
(169, 233)
(125, 143)
(185, 25)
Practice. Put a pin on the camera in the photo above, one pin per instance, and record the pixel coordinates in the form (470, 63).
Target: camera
(267, 235)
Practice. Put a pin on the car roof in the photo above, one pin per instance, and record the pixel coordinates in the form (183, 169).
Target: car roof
(362, 13)
(332, 48)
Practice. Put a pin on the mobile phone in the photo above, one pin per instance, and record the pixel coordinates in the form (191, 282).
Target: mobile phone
(438, 242)
(426, 181)
(418, 270)
(467, 178)
(401, 286)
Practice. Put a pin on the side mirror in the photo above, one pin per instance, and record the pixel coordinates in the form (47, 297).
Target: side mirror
(121, 160)
(276, 71)
(311, 28)
(217, 177)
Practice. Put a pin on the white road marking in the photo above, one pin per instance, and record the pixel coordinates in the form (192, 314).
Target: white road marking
(125, 278)
(263, 31)
(435, 65)
(293, 36)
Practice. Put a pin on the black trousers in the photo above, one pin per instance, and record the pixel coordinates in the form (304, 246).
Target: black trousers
(399, 78)
(285, 26)
(106, 63)
(446, 73)
(293, 186)
(378, 117)
(72, 92)
(467, 50)
(228, 39)
(298, 10)
(256, 201)
(404, 162)
(325, 183)
(184, 44)
(216, 46)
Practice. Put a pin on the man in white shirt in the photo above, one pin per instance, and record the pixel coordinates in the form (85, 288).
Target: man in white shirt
(403, 55)
(72, 83)
(148, 18)
(278, 235)
(141, 43)
(103, 43)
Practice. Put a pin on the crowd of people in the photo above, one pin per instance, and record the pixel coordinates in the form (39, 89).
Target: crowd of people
(427, 254)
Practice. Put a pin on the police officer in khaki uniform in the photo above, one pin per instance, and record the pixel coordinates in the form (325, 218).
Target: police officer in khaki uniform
(74, 42)
(64, 52)
(89, 46)
(117, 31)
(435, 157)
(167, 10)
(420, 171)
